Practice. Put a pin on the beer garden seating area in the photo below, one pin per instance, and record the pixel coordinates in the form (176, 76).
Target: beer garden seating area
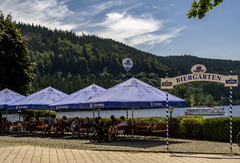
(24, 128)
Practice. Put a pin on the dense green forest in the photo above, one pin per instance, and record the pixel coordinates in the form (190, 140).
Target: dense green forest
(69, 62)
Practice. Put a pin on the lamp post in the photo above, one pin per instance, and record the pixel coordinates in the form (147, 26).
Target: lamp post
(171, 111)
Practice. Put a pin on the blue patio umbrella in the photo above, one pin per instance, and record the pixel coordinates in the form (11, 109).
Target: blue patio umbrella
(39, 100)
(132, 93)
(8, 97)
(74, 100)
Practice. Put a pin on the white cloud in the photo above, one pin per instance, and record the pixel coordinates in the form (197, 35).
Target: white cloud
(109, 19)
(132, 7)
(49, 13)
(135, 30)
(95, 9)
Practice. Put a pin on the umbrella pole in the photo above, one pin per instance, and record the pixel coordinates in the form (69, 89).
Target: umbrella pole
(98, 110)
(49, 117)
(127, 114)
(132, 122)
(6, 120)
(6, 114)
(93, 115)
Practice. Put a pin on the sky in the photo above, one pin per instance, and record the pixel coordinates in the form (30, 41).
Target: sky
(160, 27)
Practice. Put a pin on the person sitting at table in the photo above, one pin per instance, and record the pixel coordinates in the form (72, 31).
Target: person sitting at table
(33, 125)
(87, 125)
(56, 127)
(49, 123)
(114, 121)
(52, 120)
(4, 122)
(99, 126)
(75, 126)
(87, 121)
(64, 124)
(113, 130)
(64, 119)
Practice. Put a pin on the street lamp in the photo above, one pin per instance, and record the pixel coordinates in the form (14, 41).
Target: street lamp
(171, 110)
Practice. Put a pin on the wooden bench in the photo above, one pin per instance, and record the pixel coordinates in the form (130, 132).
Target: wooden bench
(141, 129)
(159, 129)
(128, 130)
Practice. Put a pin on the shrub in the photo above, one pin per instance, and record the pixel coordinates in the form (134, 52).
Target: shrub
(174, 124)
(31, 114)
(187, 126)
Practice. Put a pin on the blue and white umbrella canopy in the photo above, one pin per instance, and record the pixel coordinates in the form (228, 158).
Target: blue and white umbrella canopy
(74, 100)
(132, 93)
(8, 97)
(39, 100)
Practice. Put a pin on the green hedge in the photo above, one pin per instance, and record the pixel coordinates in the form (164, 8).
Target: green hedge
(199, 128)
(213, 129)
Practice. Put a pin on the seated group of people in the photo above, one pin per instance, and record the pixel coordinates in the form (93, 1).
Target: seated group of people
(56, 125)
(113, 129)
(77, 126)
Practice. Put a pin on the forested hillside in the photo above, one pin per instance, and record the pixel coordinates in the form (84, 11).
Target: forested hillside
(69, 62)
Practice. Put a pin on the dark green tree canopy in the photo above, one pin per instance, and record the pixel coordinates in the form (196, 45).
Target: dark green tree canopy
(15, 64)
(199, 9)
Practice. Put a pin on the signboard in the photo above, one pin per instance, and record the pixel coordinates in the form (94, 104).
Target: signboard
(127, 64)
(198, 74)
(198, 69)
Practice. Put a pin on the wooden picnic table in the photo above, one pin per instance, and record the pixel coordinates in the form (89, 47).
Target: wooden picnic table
(42, 127)
(16, 128)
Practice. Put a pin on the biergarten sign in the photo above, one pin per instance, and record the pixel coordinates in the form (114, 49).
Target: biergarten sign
(198, 74)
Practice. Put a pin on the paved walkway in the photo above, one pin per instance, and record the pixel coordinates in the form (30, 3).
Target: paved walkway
(37, 154)
(149, 145)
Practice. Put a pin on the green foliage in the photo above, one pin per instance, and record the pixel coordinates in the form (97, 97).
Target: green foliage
(191, 127)
(217, 129)
(151, 121)
(31, 114)
(213, 129)
(199, 9)
(200, 128)
(15, 65)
